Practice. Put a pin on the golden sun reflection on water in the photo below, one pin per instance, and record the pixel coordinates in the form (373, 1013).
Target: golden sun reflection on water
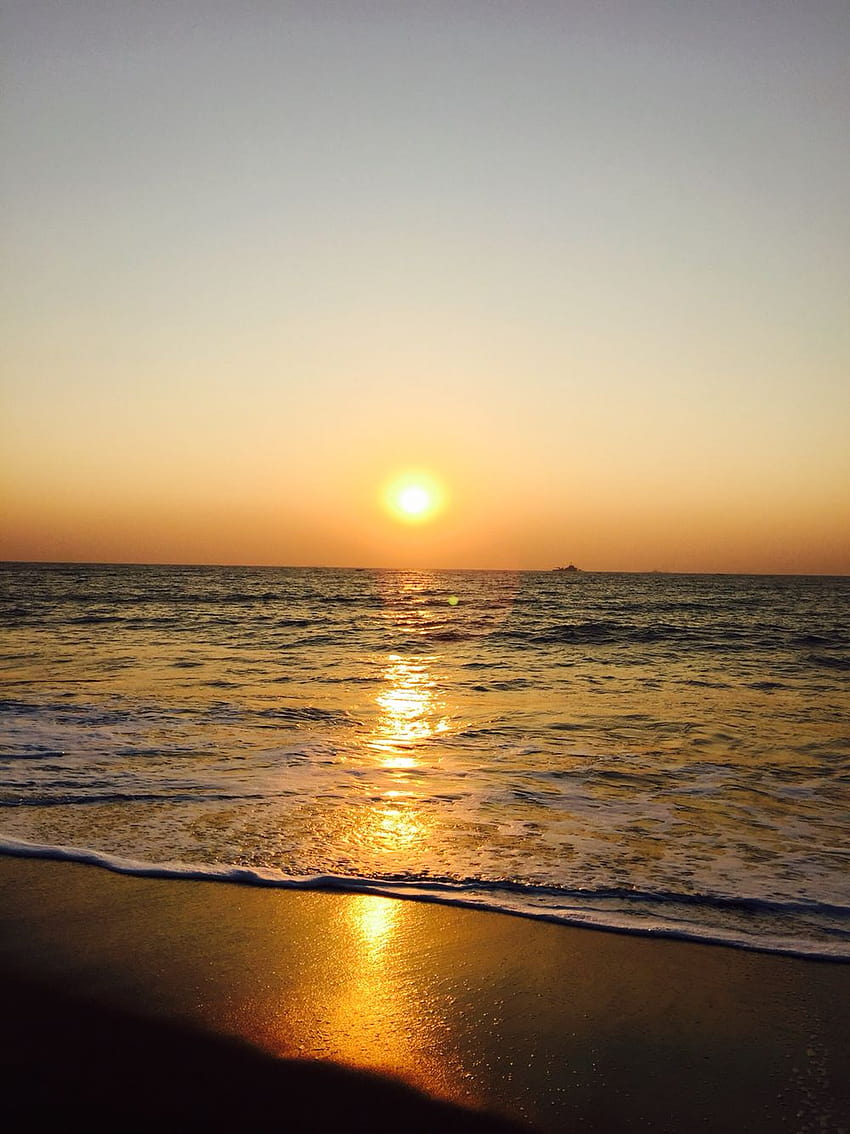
(402, 763)
(410, 711)
(386, 829)
(389, 833)
(398, 827)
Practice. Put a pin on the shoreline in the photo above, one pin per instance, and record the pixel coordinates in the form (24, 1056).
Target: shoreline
(548, 1025)
(435, 894)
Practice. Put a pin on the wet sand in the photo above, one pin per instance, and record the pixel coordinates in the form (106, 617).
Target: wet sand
(207, 1004)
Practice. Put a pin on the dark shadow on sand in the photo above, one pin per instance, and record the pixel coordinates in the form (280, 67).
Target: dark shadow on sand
(69, 1064)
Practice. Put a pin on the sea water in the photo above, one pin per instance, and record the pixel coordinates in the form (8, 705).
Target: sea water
(645, 752)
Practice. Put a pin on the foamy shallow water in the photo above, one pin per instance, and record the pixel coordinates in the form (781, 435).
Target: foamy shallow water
(656, 753)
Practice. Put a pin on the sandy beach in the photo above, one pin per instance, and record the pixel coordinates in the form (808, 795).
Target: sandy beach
(211, 1002)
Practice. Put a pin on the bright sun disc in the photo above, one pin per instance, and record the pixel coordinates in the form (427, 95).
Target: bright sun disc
(414, 497)
(414, 500)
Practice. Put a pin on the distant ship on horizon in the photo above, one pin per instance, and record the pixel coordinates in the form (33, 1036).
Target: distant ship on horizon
(572, 567)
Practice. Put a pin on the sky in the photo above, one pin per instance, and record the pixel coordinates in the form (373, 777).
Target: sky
(583, 265)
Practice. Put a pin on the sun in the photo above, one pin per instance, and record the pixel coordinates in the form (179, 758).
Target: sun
(414, 497)
(414, 500)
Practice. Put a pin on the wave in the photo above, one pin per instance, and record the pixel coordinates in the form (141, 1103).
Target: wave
(306, 713)
(650, 914)
(71, 799)
(830, 661)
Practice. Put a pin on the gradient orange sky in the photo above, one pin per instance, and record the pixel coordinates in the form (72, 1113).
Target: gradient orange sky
(585, 263)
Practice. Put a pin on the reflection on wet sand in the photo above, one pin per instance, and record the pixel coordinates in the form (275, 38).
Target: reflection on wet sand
(373, 920)
(367, 1000)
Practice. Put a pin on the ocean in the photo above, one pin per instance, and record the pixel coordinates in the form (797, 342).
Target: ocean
(650, 753)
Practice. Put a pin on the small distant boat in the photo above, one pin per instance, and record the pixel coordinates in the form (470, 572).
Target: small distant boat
(572, 567)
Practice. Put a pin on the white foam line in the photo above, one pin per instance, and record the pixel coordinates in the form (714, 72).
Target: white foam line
(440, 893)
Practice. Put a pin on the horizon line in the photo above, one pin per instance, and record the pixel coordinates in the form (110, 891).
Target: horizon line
(447, 570)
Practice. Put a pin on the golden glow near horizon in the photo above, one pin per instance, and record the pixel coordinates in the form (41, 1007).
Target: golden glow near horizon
(414, 497)
(645, 369)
